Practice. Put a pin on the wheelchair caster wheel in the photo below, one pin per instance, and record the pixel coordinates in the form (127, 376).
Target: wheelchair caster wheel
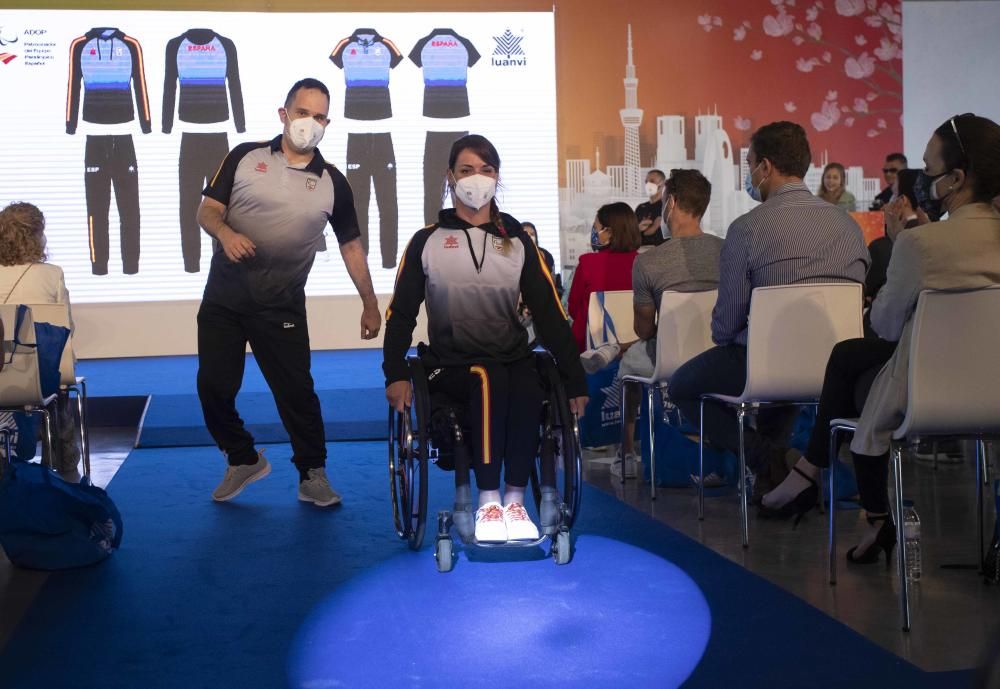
(443, 554)
(562, 550)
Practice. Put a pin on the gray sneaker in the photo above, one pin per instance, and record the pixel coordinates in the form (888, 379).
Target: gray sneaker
(316, 489)
(239, 477)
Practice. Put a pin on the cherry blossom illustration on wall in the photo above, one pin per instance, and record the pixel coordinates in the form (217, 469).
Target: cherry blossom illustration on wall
(853, 46)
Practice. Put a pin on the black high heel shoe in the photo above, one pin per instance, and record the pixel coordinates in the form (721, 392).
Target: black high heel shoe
(885, 540)
(797, 506)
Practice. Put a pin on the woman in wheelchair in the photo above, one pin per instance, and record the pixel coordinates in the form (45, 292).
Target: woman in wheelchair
(471, 268)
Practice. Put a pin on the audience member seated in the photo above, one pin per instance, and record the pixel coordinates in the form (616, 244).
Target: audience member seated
(614, 239)
(650, 213)
(25, 278)
(833, 190)
(962, 171)
(901, 212)
(689, 262)
(792, 237)
(894, 162)
(532, 231)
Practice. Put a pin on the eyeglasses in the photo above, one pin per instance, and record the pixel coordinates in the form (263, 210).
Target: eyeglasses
(891, 170)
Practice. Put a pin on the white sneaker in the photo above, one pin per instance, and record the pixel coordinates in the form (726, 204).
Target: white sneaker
(239, 477)
(594, 360)
(490, 524)
(632, 465)
(519, 524)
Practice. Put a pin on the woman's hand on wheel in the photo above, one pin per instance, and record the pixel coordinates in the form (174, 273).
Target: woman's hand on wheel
(399, 394)
(578, 404)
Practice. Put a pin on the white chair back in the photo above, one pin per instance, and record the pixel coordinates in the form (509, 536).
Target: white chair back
(954, 370)
(20, 383)
(610, 318)
(683, 331)
(793, 329)
(58, 314)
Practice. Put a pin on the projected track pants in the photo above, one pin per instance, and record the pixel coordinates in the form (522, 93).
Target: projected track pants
(437, 146)
(370, 158)
(200, 158)
(110, 160)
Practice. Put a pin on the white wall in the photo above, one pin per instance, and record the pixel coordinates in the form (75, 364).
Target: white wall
(951, 54)
(164, 328)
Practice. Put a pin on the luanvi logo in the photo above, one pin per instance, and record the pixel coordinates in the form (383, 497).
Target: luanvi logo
(508, 52)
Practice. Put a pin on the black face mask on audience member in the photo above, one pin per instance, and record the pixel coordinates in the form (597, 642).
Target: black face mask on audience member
(922, 190)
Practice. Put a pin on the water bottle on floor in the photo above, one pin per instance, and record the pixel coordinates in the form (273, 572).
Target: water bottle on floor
(911, 533)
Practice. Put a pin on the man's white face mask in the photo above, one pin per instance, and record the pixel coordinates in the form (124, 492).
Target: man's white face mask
(651, 189)
(305, 133)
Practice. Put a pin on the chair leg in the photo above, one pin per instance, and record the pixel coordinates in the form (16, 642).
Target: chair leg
(701, 460)
(81, 402)
(981, 478)
(904, 592)
(47, 440)
(744, 498)
(832, 508)
(652, 442)
(621, 448)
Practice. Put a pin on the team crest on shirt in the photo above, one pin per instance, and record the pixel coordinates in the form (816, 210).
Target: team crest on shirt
(310, 183)
(451, 242)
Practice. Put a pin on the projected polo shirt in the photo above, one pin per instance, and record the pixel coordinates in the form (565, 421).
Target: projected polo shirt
(366, 58)
(283, 209)
(203, 62)
(445, 57)
(108, 65)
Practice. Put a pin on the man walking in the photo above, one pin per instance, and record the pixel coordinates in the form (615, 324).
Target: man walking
(267, 208)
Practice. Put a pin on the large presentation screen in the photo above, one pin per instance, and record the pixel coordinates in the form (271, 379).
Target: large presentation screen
(113, 122)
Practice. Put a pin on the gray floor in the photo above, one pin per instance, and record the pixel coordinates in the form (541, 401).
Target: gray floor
(954, 613)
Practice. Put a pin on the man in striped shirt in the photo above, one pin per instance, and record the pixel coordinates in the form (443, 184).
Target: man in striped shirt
(792, 237)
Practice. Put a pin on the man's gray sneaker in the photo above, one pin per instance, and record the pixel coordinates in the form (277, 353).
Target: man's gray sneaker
(239, 476)
(316, 489)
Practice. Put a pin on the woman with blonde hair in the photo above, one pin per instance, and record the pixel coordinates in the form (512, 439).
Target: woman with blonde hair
(833, 188)
(27, 278)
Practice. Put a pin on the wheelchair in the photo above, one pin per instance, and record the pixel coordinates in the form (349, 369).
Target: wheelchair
(419, 437)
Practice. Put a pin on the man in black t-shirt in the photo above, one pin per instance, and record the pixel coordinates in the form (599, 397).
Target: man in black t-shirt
(894, 162)
(649, 213)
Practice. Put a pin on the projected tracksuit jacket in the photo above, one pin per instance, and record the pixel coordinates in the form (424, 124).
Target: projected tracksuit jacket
(106, 66)
(204, 63)
(471, 281)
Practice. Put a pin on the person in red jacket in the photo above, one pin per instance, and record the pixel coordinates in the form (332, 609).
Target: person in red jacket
(615, 238)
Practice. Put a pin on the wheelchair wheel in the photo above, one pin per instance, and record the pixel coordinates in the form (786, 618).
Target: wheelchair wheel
(568, 453)
(408, 472)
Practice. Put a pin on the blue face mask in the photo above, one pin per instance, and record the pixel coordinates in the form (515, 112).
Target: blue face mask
(753, 191)
(595, 239)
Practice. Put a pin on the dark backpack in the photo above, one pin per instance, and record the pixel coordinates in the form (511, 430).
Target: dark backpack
(47, 523)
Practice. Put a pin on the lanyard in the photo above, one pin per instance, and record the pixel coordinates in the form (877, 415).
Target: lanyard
(478, 264)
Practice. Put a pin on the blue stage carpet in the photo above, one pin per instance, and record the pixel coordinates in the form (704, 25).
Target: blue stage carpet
(269, 592)
(349, 384)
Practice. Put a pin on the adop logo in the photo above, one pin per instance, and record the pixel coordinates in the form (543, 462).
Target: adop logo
(508, 52)
(8, 37)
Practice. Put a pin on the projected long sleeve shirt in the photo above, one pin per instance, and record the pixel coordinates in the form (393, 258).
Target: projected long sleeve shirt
(445, 57)
(204, 63)
(470, 281)
(107, 66)
(366, 58)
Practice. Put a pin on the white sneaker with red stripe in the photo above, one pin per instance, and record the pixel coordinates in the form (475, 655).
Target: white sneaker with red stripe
(519, 524)
(490, 524)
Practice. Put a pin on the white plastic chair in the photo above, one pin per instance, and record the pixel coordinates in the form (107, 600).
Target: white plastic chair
(683, 331)
(58, 314)
(609, 318)
(792, 330)
(952, 390)
(20, 382)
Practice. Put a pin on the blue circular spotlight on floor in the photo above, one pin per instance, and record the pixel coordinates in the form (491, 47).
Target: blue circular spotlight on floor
(616, 616)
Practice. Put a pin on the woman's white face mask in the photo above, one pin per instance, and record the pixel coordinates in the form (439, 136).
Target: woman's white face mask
(475, 191)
